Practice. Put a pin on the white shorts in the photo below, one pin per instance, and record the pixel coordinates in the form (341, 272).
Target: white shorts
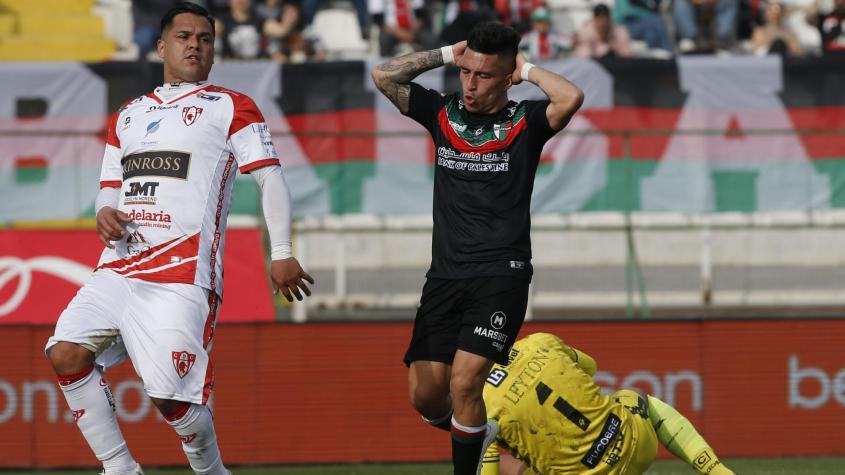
(165, 329)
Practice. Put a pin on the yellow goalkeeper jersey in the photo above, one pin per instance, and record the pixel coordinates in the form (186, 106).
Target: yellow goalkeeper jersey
(553, 417)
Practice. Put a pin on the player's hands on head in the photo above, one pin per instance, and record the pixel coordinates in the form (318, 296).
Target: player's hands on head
(516, 76)
(111, 225)
(289, 278)
(458, 50)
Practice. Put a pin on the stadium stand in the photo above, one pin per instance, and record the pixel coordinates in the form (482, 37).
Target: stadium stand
(53, 30)
(340, 34)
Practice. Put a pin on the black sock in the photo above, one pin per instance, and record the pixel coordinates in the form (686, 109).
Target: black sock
(466, 448)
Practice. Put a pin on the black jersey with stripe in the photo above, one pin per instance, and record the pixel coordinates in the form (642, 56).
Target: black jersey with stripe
(483, 179)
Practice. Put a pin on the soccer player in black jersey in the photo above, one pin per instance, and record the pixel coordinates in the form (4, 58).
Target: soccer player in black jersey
(486, 153)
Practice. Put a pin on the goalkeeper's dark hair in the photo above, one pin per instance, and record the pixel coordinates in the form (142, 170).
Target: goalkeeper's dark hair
(185, 7)
(493, 37)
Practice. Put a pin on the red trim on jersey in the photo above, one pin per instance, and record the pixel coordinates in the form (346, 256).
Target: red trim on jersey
(153, 258)
(245, 113)
(111, 131)
(209, 381)
(111, 184)
(259, 164)
(463, 146)
(181, 274)
(152, 96)
(67, 379)
(215, 243)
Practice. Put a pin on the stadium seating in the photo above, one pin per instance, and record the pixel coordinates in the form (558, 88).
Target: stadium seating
(52, 30)
(340, 34)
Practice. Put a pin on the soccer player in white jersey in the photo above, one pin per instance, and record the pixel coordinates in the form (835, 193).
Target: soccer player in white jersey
(166, 187)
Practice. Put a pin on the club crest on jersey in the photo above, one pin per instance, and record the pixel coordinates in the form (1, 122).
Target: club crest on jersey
(191, 114)
(183, 362)
(501, 131)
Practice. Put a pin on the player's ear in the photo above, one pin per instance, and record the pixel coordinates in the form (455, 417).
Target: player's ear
(160, 48)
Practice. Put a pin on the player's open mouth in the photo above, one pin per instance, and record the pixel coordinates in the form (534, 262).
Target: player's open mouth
(193, 58)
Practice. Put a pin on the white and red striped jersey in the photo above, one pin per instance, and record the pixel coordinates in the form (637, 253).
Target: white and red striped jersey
(174, 154)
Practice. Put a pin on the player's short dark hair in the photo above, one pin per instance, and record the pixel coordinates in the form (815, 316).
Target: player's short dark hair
(493, 37)
(185, 7)
(601, 10)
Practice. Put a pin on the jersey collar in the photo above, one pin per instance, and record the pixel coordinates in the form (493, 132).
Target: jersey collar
(173, 91)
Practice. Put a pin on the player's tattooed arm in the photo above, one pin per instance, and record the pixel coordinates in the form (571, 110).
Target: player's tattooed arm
(393, 78)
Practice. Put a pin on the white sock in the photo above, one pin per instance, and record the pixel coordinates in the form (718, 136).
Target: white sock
(196, 429)
(90, 399)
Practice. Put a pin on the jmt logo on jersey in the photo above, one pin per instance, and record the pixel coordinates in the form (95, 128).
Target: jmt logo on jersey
(191, 114)
(183, 362)
(146, 189)
(167, 163)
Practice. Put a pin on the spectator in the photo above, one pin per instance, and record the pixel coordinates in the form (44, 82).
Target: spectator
(241, 31)
(542, 42)
(642, 20)
(517, 13)
(832, 29)
(773, 37)
(282, 21)
(801, 18)
(705, 25)
(600, 37)
(403, 25)
(272, 9)
(461, 16)
(310, 8)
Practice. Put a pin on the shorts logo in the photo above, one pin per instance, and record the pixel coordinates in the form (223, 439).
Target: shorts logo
(183, 362)
(78, 414)
(191, 114)
(498, 320)
(187, 439)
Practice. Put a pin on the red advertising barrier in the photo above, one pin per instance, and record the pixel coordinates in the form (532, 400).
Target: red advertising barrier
(289, 393)
(41, 270)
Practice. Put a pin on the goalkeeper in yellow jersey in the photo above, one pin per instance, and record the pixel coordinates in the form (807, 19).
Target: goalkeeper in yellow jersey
(554, 419)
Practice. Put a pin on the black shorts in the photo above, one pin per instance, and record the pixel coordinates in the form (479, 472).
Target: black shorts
(481, 315)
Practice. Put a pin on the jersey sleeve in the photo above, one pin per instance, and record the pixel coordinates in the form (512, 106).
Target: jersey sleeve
(424, 105)
(538, 123)
(111, 173)
(583, 360)
(249, 136)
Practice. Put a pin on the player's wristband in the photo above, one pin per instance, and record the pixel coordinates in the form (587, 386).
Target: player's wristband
(526, 67)
(281, 250)
(448, 54)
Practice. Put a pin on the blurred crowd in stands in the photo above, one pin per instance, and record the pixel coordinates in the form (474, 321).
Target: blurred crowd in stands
(295, 31)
